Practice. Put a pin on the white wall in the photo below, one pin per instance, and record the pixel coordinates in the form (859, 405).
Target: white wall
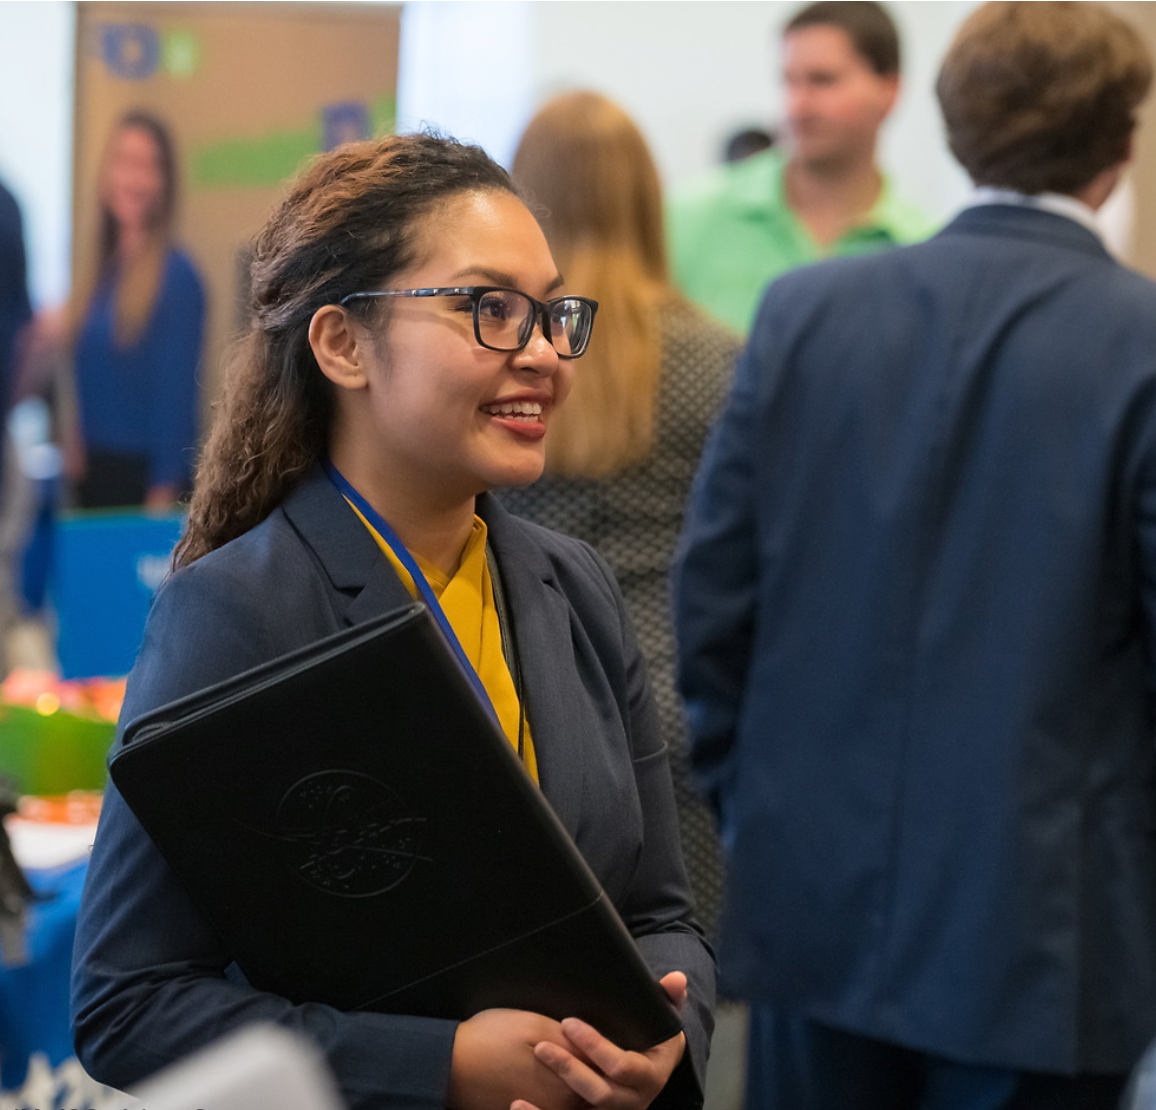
(690, 71)
(464, 69)
(36, 67)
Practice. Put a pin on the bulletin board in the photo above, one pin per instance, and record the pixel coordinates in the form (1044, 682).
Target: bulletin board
(250, 91)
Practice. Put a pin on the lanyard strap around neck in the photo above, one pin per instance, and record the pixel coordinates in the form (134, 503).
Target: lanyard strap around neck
(378, 522)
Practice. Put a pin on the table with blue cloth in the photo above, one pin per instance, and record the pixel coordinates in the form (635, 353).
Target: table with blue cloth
(34, 996)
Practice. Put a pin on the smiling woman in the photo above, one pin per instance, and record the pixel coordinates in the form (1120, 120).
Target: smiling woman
(407, 353)
(411, 374)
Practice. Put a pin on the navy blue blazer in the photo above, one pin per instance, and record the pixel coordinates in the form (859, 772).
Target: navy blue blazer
(916, 602)
(151, 982)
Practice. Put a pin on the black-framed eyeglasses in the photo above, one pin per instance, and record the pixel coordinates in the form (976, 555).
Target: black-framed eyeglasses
(504, 319)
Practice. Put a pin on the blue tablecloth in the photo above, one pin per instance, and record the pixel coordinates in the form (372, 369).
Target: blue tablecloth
(34, 997)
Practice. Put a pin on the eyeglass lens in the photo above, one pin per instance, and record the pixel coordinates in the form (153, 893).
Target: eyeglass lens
(506, 319)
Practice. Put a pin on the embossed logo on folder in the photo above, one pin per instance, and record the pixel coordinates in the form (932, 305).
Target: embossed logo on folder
(347, 834)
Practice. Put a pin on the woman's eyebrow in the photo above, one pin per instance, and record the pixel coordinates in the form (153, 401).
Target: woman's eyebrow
(499, 277)
(494, 277)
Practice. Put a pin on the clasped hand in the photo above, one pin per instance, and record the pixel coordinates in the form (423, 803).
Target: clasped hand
(515, 1060)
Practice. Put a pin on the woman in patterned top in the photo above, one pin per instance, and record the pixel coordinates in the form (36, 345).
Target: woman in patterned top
(622, 454)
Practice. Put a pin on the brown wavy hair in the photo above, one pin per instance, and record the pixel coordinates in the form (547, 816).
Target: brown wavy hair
(587, 172)
(348, 224)
(1042, 97)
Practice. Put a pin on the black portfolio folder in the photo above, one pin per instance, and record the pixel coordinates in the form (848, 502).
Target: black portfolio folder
(361, 833)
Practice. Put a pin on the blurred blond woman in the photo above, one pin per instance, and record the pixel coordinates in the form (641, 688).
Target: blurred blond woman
(623, 452)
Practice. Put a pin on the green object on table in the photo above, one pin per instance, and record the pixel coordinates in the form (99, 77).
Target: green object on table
(53, 753)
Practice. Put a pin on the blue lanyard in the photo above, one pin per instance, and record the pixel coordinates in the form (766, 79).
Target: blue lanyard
(407, 560)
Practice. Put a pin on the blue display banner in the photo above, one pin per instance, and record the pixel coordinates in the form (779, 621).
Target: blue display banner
(106, 568)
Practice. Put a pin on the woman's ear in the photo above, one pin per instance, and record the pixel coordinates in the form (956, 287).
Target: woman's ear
(334, 341)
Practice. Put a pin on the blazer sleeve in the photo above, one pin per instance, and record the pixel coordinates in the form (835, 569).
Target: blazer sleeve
(715, 575)
(1142, 512)
(151, 980)
(657, 909)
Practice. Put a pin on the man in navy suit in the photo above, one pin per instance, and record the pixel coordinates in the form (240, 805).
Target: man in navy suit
(917, 621)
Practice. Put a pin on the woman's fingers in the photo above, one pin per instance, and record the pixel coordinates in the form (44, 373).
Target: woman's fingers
(674, 983)
(605, 1075)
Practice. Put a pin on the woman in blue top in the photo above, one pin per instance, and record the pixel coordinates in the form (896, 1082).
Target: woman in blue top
(139, 331)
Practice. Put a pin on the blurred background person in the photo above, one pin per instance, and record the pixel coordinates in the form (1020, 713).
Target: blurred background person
(15, 314)
(622, 453)
(917, 606)
(15, 306)
(139, 326)
(751, 220)
(745, 142)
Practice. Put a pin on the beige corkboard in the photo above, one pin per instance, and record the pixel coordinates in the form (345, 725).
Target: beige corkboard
(249, 91)
(1143, 172)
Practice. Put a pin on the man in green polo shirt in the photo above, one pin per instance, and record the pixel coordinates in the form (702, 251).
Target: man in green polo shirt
(751, 220)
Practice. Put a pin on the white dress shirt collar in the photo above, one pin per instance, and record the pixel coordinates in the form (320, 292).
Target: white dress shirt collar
(1057, 203)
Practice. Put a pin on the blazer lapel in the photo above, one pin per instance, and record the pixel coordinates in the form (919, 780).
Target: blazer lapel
(542, 620)
(364, 584)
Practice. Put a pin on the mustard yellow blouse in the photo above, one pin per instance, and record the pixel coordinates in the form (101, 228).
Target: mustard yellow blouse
(467, 599)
